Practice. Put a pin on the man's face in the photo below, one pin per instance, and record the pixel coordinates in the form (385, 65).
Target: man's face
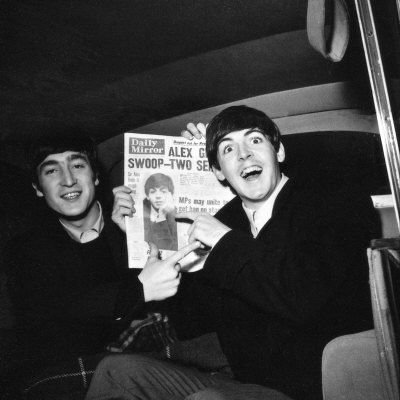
(67, 183)
(250, 164)
(158, 197)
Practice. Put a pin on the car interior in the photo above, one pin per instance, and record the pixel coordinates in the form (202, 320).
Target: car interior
(153, 66)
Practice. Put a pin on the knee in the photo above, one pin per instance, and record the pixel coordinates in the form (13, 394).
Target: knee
(120, 363)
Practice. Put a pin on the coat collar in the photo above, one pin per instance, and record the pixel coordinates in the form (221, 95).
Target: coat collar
(234, 216)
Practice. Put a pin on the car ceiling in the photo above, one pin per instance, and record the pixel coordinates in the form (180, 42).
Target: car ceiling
(111, 66)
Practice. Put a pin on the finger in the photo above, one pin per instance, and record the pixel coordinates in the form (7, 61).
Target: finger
(122, 195)
(187, 215)
(123, 202)
(192, 128)
(187, 135)
(174, 283)
(183, 252)
(201, 128)
(177, 267)
(192, 239)
(121, 188)
(190, 231)
(121, 212)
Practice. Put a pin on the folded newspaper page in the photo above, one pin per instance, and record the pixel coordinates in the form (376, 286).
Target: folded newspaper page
(167, 174)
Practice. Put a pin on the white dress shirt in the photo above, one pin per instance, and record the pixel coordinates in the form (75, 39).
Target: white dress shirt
(258, 218)
(88, 235)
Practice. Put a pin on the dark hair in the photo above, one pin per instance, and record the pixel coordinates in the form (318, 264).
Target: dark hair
(58, 140)
(158, 180)
(237, 118)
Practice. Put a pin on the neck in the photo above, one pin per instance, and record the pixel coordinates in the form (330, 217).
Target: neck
(254, 205)
(84, 221)
(257, 204)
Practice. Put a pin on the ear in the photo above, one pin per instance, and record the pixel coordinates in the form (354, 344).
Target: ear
(39, 193)
(218, 173)
(281, 153)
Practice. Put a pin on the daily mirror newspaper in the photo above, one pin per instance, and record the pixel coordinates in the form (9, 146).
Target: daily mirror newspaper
(167, 174)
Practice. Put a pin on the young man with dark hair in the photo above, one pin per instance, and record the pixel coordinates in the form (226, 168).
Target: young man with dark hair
(286, 273)
(65, 273)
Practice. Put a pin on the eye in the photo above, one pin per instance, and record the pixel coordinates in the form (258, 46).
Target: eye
(256, 140)
(227, 149)
(79, 165)
(50, 171)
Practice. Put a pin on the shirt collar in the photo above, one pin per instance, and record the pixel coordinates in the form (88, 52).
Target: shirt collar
(261, 216)
(156, 216)
(88, 235)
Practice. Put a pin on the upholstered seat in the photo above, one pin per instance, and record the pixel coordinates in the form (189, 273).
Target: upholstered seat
(351, 368)
(366, 365)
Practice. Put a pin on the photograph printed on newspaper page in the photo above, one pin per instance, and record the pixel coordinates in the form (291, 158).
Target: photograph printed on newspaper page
(167, 174)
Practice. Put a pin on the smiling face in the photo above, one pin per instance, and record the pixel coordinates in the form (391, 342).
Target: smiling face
(67, 183)
(158, 197)
(250, 164)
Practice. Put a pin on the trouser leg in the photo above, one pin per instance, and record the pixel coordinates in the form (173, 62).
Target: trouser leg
(237, 391)
(138, 377)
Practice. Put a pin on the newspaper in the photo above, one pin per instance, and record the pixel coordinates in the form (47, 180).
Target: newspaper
(167, 174)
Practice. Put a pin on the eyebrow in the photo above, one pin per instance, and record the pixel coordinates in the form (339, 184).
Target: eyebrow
(78, 156)
(49, 163)
(159, 187)
(249, 132)
(72, 157)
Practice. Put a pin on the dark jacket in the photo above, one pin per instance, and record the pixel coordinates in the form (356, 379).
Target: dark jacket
(163, 234)
(276, 300)
(64, 292)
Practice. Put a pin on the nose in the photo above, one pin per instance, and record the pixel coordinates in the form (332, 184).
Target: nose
(68, 178)
(244, 152)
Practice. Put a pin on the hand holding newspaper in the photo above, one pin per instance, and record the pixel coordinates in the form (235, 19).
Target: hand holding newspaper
(204, 228)
(167, 175)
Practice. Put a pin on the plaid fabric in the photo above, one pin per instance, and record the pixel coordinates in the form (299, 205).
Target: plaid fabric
(156, 334)
(69, 380)
(149, 335)
(203, 352)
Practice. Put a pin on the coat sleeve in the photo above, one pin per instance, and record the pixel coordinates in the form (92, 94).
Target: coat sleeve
(130, 300)
(305, 256)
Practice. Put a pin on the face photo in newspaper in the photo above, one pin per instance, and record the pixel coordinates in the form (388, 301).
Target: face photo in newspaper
(160, 226)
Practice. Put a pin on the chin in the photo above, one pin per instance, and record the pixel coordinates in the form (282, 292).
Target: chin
(73, 215)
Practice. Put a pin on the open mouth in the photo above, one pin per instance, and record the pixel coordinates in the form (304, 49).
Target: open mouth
(251, 172)
(71, 196)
